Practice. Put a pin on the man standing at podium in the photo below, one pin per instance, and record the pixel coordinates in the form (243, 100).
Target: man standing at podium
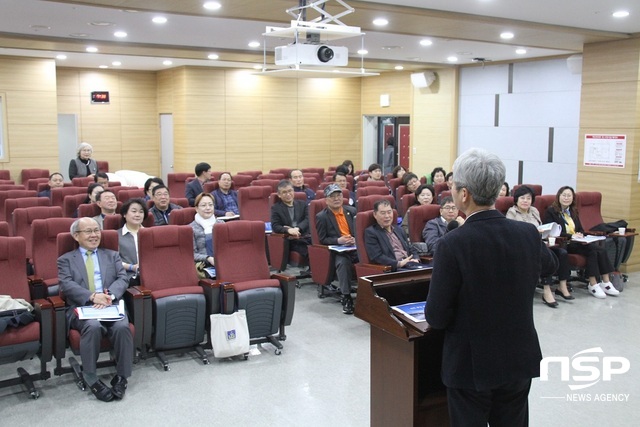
(484, 278)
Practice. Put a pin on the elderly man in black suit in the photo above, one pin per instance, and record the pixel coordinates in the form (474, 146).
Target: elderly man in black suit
(336, 226)
(291, 217)
(484, 278)
(385, 242)
(95, 276)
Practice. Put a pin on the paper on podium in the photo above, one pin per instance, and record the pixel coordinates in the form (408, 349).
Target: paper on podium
(111, 313)
(413, 310)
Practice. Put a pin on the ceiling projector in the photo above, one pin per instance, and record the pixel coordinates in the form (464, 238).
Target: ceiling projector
(312, 54)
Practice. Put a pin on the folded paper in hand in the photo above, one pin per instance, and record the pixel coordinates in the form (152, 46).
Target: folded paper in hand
(342, 248)
(551, 229)
(110, 313)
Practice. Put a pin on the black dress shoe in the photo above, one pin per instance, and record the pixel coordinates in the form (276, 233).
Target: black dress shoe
(550, 304)
(347, 304)
(570, 297)
(101, 391)
(118, 386)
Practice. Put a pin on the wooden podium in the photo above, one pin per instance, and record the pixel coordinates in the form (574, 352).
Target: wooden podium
(406, 356)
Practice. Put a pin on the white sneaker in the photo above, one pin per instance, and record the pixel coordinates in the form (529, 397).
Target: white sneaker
(596, 291)
(609, 289)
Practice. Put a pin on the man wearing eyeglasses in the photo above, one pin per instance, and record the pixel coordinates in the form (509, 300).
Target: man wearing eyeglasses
(436, 228)
(92, 276)
(162, 205)
(386, 243)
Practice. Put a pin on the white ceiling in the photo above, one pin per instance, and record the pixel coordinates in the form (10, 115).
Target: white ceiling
(464, 28)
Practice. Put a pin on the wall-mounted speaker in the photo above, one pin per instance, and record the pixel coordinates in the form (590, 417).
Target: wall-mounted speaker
(424, 79)
(574, 63)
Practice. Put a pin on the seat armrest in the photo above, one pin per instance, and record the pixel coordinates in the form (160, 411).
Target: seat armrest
(59, 326)
(426, 259)
(288, 287)
(37, 288)
(377, 267)
(211, 289)
(43, 310)
(138, 302)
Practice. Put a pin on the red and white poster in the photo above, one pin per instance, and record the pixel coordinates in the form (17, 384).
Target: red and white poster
(605, 150)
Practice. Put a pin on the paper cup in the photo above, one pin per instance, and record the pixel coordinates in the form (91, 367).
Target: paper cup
(552, 241)
(621, 230)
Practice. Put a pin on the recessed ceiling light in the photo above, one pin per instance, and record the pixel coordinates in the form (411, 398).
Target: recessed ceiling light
(452, 58)
(212, 5)
(620, 14)
(39, 27)
(102, 23)
(506, 35)
(521, 51)
(91, 49)
(380, 22)
(257, 67)
(79, 35)
(399, 67)
(363, 52)
(213, 56)
(116, 63)
(103, 66)
(425, 42)
(254, 44)
(61, 57)
(391, 47)
(120, 34)
(159, 20)
(167, 62)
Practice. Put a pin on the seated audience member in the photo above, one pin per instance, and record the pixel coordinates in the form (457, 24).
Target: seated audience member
(398, 172)
(375, 172)
(336, 226)
(411, 181)
(104, 287)
(504, 190)
(226, 199)
(133, 211)
(297, 180)
(436, 228)
(92, 192)
(351, 169)
(194, 188)
(385, 242)
(341, 179)
(108, 203)
(56, 180)
(149, 185)
(291, 217)
(83, 165)
(101, 178)
(563, 212)
(438, 175)
(203, 230)
(449, 180)
(523, 210)
(342, 169)
(425, 195)
(162, 206)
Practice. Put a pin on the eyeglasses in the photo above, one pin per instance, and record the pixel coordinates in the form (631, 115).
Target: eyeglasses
(89, 232)
(161, 195)
(206, 205)
(449, 208)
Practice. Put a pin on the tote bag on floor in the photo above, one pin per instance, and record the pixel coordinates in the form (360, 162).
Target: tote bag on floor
(229, 334)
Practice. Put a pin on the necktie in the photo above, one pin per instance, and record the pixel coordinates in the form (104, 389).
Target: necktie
(90, 271)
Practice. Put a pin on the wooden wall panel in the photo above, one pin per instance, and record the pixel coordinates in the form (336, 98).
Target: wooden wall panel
(139, 111)
(204, 81)
(396, 85)
(434, 124)
(138, 84)
(279, 111)
(165, 82)
(314, 111)
(610, 104)
(67, 82)
(202, 110)
(243, 110)
(29, 86)
(242, 83)
(273, 87)
(280, 138)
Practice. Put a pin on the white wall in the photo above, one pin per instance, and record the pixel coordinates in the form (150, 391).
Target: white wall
(545, 96)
